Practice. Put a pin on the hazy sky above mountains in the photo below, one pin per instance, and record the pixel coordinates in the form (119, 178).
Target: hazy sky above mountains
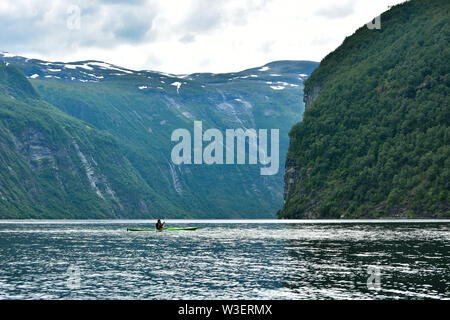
(182, 36)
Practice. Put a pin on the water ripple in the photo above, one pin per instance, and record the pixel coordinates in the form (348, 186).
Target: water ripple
(222, 260)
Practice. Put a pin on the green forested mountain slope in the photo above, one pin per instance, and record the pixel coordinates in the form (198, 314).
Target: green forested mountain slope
(374, 140)
(54, 166)
(140, 109)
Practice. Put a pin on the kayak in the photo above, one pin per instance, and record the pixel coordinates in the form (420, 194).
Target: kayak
(165, 229)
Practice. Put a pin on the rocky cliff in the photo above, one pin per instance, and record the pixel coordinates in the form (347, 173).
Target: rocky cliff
(311, 94)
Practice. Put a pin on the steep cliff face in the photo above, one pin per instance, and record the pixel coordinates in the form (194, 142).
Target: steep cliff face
(291, 173)
(374, 141)
(291, 178)
(54, 166)
(311, 94)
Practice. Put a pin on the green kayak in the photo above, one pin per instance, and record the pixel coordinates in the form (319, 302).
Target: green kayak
(165, 229)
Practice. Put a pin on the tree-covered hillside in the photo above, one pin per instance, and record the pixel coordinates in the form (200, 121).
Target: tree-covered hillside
(55, 166)
(374, 140)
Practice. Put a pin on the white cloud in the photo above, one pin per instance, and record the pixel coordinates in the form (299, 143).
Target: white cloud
(337, 10)
(183, 36)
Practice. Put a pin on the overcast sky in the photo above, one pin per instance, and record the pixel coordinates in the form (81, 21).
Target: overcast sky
(182, 36)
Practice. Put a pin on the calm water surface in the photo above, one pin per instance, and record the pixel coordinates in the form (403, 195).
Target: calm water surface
(225, 260)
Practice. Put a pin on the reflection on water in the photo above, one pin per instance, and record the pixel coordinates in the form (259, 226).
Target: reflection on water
(224, 261)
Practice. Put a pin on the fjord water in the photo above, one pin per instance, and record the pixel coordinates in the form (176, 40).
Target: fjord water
(225, 260)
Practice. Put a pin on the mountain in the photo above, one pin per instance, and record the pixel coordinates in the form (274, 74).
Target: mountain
(55, 166)
(374, 140)
(139, 110)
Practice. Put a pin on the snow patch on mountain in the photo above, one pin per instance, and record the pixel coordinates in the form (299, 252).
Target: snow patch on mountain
(104, 65)
(177, 84)
(75, 66)
(93, 75)
(281, 84)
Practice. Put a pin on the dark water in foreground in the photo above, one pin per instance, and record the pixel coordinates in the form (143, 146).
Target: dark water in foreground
(101, 260)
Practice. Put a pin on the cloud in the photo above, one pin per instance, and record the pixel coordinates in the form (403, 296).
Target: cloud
(133, 27)
(153, 60)
(182, 36)
(43, 25)
(201, 20)
(337, 11)
(187, 38)
(204, 16)
(126, 2)
(267, 46)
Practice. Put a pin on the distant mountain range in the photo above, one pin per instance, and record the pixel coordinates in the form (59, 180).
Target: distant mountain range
(90, 139)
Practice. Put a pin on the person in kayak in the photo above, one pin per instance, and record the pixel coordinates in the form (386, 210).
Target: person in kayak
(159, 225)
